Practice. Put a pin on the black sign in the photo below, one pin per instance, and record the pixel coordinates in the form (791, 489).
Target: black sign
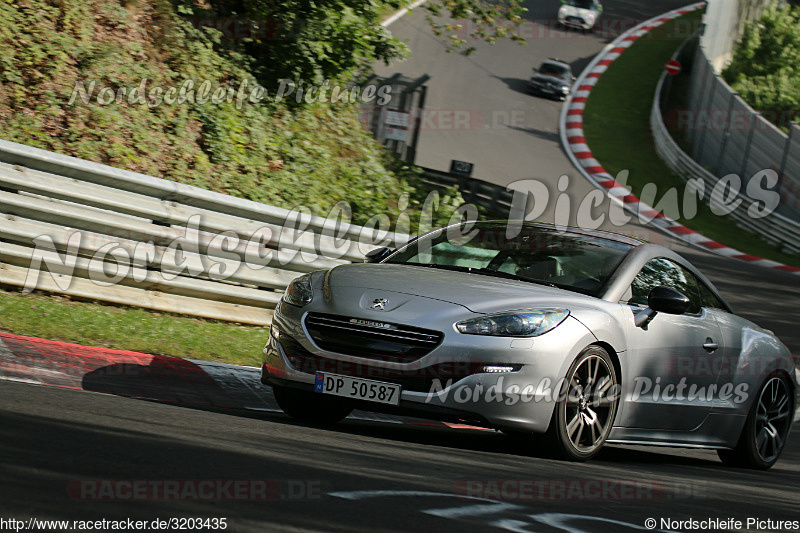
(462, 168)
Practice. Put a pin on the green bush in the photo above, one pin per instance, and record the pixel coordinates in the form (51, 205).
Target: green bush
(765, 68)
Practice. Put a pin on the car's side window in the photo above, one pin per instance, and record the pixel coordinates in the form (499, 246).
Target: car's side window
(661, 271)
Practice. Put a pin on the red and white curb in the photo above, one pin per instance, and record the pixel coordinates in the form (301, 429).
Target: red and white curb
(574, 142)
(153, 377)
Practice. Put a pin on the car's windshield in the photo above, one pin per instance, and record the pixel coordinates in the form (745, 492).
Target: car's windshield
(552, 69)
(574, 261)
(583, 4)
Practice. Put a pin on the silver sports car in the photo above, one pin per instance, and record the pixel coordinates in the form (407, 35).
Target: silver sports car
(584, 337)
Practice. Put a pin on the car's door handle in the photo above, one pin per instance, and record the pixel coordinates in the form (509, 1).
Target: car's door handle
(710, 345)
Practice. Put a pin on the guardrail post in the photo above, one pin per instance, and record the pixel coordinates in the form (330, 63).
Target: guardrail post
(704, 101)
(727, 133)
(411, 153)
(785, 157)
(753, 122)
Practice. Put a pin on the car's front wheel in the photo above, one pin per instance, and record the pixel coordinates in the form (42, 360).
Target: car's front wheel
(767, 426)
(310, 407)
(586, 407)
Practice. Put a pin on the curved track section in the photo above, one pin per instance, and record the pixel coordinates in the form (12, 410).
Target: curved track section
(511, 135)
(574, 142)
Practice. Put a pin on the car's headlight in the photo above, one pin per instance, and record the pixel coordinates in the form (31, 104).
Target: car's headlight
(299, 291)
(522, 323)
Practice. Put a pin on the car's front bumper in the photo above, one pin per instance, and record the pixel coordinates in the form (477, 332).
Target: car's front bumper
(520, 400)
(575, 21)
(541, 88)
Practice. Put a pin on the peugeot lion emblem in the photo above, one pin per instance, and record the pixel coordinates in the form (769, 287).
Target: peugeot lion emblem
(379, 304)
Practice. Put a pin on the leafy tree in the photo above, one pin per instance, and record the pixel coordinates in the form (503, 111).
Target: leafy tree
(313, 155)
(765, 69)
(476, 20)
(312, 41)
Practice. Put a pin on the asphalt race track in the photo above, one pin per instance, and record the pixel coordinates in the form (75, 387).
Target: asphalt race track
(358, 476)
(90, 434)
(71, 451)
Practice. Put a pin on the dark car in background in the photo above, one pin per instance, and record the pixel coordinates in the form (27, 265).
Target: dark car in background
(553, 78)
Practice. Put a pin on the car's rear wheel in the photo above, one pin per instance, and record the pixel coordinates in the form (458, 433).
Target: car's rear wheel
(766, 429)
(586, 407)
(310, 407)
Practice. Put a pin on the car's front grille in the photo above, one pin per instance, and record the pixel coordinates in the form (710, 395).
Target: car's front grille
(371, 339)
(575, 21)
(419, 380)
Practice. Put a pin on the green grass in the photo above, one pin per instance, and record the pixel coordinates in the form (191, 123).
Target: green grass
(385, 11)
(126, 328)
(617, 127)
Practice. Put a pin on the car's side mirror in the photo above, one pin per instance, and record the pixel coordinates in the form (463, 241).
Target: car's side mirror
(662, 300)
(377, 255)
(667, 300)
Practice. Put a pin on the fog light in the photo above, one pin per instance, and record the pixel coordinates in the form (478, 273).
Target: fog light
(498, 369)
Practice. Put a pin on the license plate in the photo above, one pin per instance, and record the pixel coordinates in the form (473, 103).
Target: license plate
(357, 388)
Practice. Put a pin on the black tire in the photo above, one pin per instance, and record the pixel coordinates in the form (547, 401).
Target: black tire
(766, 429)
(586, 407)
(309, 407)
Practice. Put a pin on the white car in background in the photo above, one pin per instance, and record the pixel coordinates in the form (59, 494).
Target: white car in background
(582, 14)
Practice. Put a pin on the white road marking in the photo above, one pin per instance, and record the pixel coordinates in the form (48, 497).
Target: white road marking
(22, 380)
(515, 526)
(562, 521)
(400, 13)
(472, 510)
(365, 494)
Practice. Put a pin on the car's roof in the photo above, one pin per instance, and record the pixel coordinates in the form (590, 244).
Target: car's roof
(556, 62)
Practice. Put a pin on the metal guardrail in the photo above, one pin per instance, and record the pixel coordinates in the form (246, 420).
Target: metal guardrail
(726, 135)
(96, 232)
(496, 200)
(774, 228)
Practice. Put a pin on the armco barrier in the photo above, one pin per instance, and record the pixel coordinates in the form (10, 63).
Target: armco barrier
(92, 231)
(574, 142)
(774, 228)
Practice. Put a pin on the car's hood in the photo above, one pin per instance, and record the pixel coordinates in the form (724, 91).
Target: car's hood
(551, 79)
(478, 293)
(572, 11)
